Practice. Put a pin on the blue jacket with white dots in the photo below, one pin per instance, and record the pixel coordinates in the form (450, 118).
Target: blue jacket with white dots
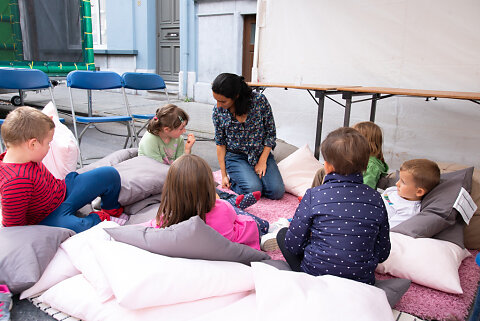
(341, 228)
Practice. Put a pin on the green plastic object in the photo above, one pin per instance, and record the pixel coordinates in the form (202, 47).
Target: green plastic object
(11, 44)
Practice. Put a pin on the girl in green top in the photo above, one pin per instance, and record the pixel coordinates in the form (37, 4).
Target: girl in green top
(376, 164)
(163, 140)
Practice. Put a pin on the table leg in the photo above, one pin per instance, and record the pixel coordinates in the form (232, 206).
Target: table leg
(373, 108)
(348, 107)
(321, 105)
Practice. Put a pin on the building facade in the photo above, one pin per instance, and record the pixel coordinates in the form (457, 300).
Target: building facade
(187, 42)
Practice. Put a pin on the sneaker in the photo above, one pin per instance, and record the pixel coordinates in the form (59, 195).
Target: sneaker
(279, 224)
(5, 303)
(268, 242)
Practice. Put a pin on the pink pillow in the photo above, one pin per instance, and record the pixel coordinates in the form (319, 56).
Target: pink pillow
(298, 170)
(78, 298)
(428, 262)
(63, 154)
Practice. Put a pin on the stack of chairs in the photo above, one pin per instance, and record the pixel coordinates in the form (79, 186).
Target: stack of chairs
(97, 80)
(142, 81)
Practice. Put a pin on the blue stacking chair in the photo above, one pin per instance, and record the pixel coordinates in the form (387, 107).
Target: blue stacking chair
(142, 81)
(22, 79)
(97, 80)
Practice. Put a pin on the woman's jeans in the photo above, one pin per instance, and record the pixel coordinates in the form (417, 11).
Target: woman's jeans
(244, 180)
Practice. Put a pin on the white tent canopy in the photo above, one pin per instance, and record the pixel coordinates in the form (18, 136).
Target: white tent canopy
(421, 44)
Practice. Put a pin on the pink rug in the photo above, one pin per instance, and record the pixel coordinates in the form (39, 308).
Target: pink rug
(421, 301)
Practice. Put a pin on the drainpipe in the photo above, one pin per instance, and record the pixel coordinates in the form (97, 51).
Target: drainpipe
(184, 49)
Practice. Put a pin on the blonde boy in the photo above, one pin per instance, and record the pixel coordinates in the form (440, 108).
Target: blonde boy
(417, 178)
(31, 195)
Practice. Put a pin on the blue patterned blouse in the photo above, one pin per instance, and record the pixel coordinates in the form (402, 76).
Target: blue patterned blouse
(249, 137)
(341, 228)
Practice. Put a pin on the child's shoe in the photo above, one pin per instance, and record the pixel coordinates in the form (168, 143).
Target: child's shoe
(5, 303)
(279, 224)
(245, 200)
(268, 242)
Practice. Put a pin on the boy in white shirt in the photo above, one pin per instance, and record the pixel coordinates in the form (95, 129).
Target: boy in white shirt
(417, 178)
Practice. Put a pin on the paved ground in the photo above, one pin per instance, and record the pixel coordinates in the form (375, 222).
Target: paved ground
(97, 144)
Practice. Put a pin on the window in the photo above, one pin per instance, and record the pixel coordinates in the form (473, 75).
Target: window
(99, 24)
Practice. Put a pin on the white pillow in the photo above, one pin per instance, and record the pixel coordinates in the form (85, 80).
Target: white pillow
(60, 268)
(140, 279)
(79, 250)
(429, 262)
(288, 295)
(76, 297)
(63, 154)
(298, 170)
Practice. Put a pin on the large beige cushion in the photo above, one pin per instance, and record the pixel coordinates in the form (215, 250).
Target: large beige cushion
(472, 230)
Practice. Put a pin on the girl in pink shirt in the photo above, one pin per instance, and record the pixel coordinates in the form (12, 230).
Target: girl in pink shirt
(189, 190)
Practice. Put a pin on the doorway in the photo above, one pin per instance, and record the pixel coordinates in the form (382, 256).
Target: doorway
(249, 25)
(168, 39)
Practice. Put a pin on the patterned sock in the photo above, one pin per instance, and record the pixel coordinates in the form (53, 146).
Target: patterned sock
(121, 220)
(245, 200)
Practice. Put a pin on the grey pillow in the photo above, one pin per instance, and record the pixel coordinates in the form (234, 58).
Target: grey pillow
(394, 288)
(453, 233)
(141, 177)
(137, 207)
(389, 180)
(144, 215)
(282, 150)
(191, 239)
(26, 252)
(437, 212)
(111, 159)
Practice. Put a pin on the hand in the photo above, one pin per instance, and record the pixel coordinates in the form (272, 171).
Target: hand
(225, 182)
(261, 169)
(189, 143)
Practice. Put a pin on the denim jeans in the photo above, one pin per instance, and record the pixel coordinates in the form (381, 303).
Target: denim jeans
(81, 190)
(244, 180)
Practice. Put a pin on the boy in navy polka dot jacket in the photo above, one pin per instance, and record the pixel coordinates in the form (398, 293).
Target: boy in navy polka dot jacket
(340, 227)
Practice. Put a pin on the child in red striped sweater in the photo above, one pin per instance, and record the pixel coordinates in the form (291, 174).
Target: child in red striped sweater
(31, 195)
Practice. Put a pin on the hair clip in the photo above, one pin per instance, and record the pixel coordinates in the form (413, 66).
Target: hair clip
(155, 118)
(181, 119)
